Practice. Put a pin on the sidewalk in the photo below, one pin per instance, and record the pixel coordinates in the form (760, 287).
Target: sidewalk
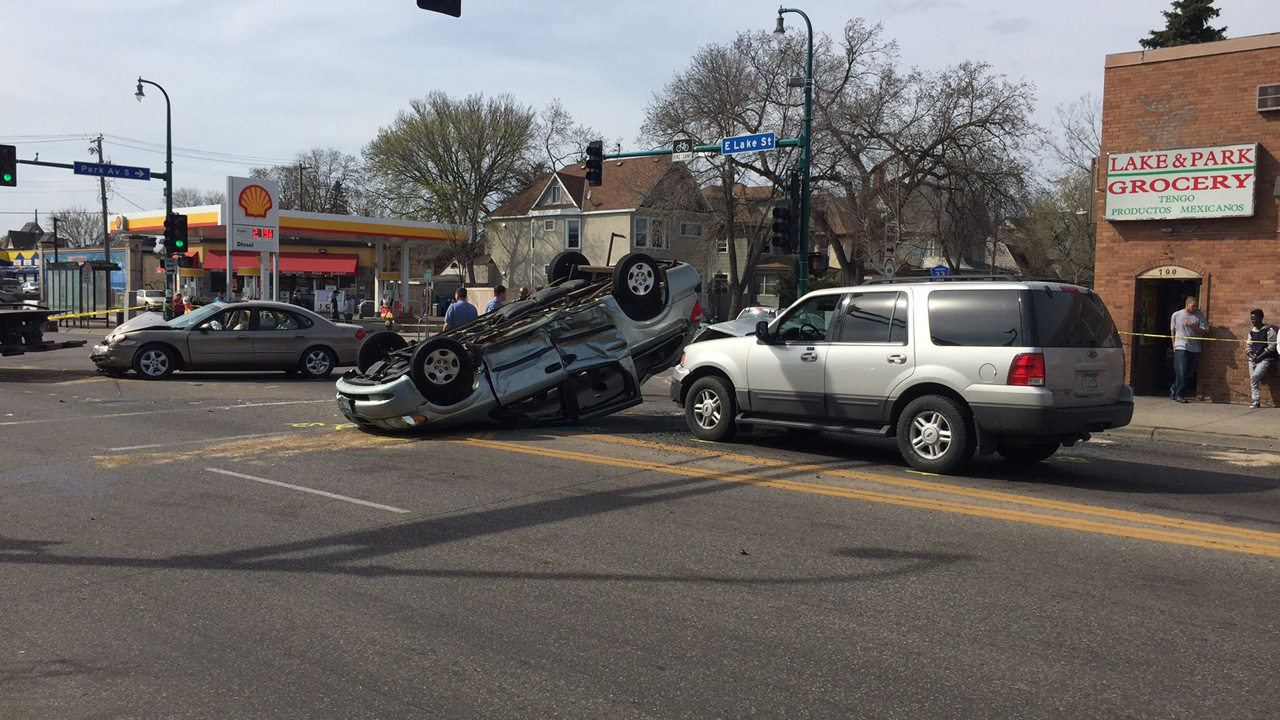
(1204, 423)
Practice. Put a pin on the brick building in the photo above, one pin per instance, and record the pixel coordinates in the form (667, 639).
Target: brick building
(1187, 189)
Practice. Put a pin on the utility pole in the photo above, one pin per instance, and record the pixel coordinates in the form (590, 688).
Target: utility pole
(102, 185)
(301, 167)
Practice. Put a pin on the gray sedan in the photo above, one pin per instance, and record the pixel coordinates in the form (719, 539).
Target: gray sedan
(258, 335)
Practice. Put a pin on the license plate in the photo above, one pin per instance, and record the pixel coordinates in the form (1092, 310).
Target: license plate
(346, 405)
(1090, 381)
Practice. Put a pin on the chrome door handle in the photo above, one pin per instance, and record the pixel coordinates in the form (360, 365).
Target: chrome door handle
(809, 357)
(897, 359)
(243, 337)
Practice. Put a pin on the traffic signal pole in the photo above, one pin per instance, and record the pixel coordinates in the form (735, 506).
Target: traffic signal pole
(806, 151)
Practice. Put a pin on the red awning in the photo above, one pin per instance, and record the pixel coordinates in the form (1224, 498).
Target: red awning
(290, 262)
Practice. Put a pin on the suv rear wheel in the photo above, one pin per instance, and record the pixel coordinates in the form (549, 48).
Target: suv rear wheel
(935, 434)
(709, 409)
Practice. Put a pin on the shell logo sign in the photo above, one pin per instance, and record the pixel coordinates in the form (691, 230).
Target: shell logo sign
(255, 201)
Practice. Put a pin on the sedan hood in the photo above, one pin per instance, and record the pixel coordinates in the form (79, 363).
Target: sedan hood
(141, 322)
(731, 328)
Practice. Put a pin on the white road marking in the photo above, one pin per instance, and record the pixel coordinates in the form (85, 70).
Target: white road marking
(162, 412)
(299, 488)
(194, 442)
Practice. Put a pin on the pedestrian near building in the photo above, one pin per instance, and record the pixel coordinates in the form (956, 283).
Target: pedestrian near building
(524, 292)
(460, 312)
(333, 306)
(499, 299)
(349, 308)
(1186, 326)
(1261, 351)
(296, 297)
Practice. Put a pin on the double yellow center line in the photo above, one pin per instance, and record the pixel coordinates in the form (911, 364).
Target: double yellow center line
(1071, 516)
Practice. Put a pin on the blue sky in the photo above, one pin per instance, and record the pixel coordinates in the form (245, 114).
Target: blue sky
(253, 82)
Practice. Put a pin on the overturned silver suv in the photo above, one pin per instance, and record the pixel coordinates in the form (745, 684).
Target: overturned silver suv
(577, 350)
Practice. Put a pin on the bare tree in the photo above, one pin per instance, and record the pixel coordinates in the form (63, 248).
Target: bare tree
(453, 161)
(560, 141)
(726, 91)
(78, 227)
(193, 197)
(319, 180)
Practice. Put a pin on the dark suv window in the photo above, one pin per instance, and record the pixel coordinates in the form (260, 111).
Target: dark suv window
(1073, 319)
(874, 317)
(977, 318)
(809, 321)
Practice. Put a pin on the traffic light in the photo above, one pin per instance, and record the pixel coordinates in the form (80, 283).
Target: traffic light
(818, 264)
(783, 232)
(175, 234)
(8, 166)
(595, 163)
(447, 7)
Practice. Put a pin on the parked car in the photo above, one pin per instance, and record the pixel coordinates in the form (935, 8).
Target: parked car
(258, 335)
(151, 300)
(31, 290)
(757, 312)
(948, 367)
(577, 350)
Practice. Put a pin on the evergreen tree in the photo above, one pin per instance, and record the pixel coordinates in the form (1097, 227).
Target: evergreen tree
(1186, 24)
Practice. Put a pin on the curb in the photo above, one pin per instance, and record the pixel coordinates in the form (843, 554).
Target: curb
(1238, 442)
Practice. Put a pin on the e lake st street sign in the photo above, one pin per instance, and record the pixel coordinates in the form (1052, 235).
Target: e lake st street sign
(748, 143)
(111, 171)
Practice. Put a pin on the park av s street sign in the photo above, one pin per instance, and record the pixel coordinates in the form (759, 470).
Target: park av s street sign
(748, 143)
(111, 171)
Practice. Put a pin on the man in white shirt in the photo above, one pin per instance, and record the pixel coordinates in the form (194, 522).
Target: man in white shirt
(1187, 327)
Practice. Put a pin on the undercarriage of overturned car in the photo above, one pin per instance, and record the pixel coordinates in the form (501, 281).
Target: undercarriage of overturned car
(577, 350)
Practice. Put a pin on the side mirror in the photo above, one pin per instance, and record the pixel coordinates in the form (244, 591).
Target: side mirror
(762, 332)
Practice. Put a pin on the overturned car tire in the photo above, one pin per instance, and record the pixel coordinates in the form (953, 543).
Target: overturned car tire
(637, 286)
(378, 347)
(562, 265)
(443, 371)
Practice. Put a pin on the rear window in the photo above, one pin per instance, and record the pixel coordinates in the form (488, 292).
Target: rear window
(1073, 319)
(977, 318)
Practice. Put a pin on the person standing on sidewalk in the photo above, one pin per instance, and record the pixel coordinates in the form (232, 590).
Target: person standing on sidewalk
(348, 308)
(460, 312)
(1187, 327)
(499, 298)
(1261, 351)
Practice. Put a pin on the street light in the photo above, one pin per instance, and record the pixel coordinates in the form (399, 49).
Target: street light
(806, 159)
(168, 175)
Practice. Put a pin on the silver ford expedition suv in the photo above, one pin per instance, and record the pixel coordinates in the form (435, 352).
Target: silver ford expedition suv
(949, 367)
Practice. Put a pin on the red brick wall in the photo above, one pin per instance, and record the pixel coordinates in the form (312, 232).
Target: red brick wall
(1200, 101)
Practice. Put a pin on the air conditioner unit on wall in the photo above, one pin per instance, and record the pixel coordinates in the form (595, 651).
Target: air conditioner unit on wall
(1268, 98)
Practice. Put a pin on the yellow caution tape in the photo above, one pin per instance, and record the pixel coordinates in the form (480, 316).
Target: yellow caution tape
(1170, 337)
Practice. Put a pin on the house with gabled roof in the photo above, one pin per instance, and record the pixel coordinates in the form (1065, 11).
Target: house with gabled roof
(646, 204)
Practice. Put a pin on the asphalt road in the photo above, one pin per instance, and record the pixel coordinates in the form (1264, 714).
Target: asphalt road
(222, 546)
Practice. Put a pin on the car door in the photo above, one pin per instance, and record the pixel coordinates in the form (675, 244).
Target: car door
(222, 341)
(279, 338)
(869, 355)
(787, 376)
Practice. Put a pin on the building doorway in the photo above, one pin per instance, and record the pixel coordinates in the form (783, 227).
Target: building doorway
(1158, 293)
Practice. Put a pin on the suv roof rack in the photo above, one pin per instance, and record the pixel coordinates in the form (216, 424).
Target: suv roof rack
(942, 278)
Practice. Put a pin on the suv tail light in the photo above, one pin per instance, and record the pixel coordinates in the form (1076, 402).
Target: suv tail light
(695, 317)
(1027, 369)
(360, 334)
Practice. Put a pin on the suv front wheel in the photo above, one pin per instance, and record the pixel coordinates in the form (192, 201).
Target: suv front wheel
(935, 434)
(709, 409)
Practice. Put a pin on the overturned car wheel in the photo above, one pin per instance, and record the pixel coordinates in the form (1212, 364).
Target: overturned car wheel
(443, 371)
(637, 286)
(562, 265)
(378, 347)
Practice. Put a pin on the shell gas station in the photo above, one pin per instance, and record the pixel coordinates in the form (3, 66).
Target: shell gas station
(319, 254)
